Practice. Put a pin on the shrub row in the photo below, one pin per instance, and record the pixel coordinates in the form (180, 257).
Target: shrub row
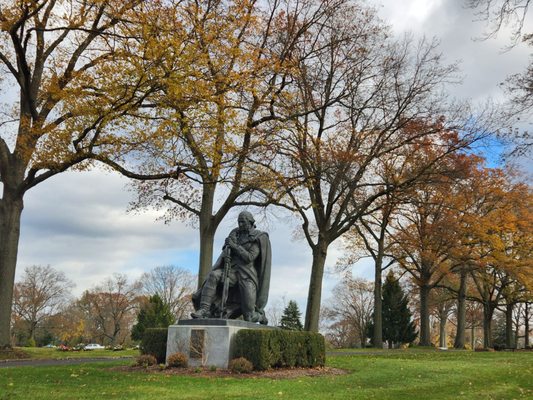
(154, 342)
(280, 348)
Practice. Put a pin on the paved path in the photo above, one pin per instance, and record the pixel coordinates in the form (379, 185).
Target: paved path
(65, 361)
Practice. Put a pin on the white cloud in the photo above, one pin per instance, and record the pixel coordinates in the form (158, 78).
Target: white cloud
(77, 222)
(406, 15)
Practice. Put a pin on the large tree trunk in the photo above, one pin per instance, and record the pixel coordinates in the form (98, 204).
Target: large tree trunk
(207, 238)
(377, 335)
(363, 339)
(425, 336)
(442, 330)
(459, 342)
(10, 213)
(208, 228)
(488, 310)
(509, 343)
(312, 314)
(526, 326)
(33, 328)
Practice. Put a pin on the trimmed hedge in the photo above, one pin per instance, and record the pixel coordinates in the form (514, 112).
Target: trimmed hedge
(278, 348)
(154, 342)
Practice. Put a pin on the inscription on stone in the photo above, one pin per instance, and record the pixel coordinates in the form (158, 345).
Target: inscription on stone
(197, 343)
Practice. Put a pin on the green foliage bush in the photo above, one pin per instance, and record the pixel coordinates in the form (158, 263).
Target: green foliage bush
(291, 318)
(280, 348)
(177, 360)
(153, 314)
(241, 365)
(154, 342)
(145, 360)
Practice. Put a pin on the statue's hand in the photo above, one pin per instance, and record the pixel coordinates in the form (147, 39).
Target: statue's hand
(230, 242)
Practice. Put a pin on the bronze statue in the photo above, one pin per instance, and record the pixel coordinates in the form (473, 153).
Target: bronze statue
(239, 281)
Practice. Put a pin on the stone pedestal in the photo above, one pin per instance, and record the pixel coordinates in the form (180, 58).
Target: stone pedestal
(207, 342)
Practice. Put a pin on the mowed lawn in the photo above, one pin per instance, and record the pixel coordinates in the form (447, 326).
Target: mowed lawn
(384, 375)
(54, 354)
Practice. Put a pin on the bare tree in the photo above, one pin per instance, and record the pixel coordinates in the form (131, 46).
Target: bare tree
(41, 293)
(174, 285)
(442, 303)
(500, 13)
(274, 311)
(512, 14)
(109, 309)
(351, 308)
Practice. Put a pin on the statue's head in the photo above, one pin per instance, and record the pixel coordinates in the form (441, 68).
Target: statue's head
(246, 221)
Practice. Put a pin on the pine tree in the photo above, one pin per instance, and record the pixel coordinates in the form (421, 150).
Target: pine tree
(153, 314)
(290, 319)
(397, 324)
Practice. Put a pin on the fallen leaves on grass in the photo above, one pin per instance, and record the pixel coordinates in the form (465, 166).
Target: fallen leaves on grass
(279, 373)
(13, 354)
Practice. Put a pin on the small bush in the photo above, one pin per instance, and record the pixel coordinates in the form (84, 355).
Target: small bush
(177, 360)
(145, 360)
(240, 365)
(154, 342)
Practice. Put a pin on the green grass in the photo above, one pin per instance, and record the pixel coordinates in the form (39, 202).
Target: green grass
(388, 375)
(42, 353)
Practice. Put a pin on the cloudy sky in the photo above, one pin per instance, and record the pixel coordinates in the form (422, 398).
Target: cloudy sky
(77, 222)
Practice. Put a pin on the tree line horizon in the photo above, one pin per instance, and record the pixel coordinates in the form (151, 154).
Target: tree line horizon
(310, 106)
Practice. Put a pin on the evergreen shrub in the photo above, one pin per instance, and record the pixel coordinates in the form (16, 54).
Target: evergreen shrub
(154, 342)
(280, 348)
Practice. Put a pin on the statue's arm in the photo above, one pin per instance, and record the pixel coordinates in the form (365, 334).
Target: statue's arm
(247, 255)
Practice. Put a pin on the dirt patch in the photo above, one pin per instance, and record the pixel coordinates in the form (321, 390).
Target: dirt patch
(281, 373)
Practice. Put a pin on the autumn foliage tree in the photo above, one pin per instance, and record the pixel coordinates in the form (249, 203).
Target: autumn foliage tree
(357, 96)
(40, 294)
(59, 56)
(427, 231)
(109, 309)
(503, 239)
(220, 69)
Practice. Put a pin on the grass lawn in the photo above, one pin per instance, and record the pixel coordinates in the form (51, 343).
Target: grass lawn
(47, 353)
(387, 375)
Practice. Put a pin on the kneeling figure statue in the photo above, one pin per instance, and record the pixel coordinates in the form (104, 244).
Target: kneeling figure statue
(239, 281)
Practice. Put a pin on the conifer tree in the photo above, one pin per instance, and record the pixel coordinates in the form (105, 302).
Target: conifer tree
(153, 314)
(290, 319)
(397, 324)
